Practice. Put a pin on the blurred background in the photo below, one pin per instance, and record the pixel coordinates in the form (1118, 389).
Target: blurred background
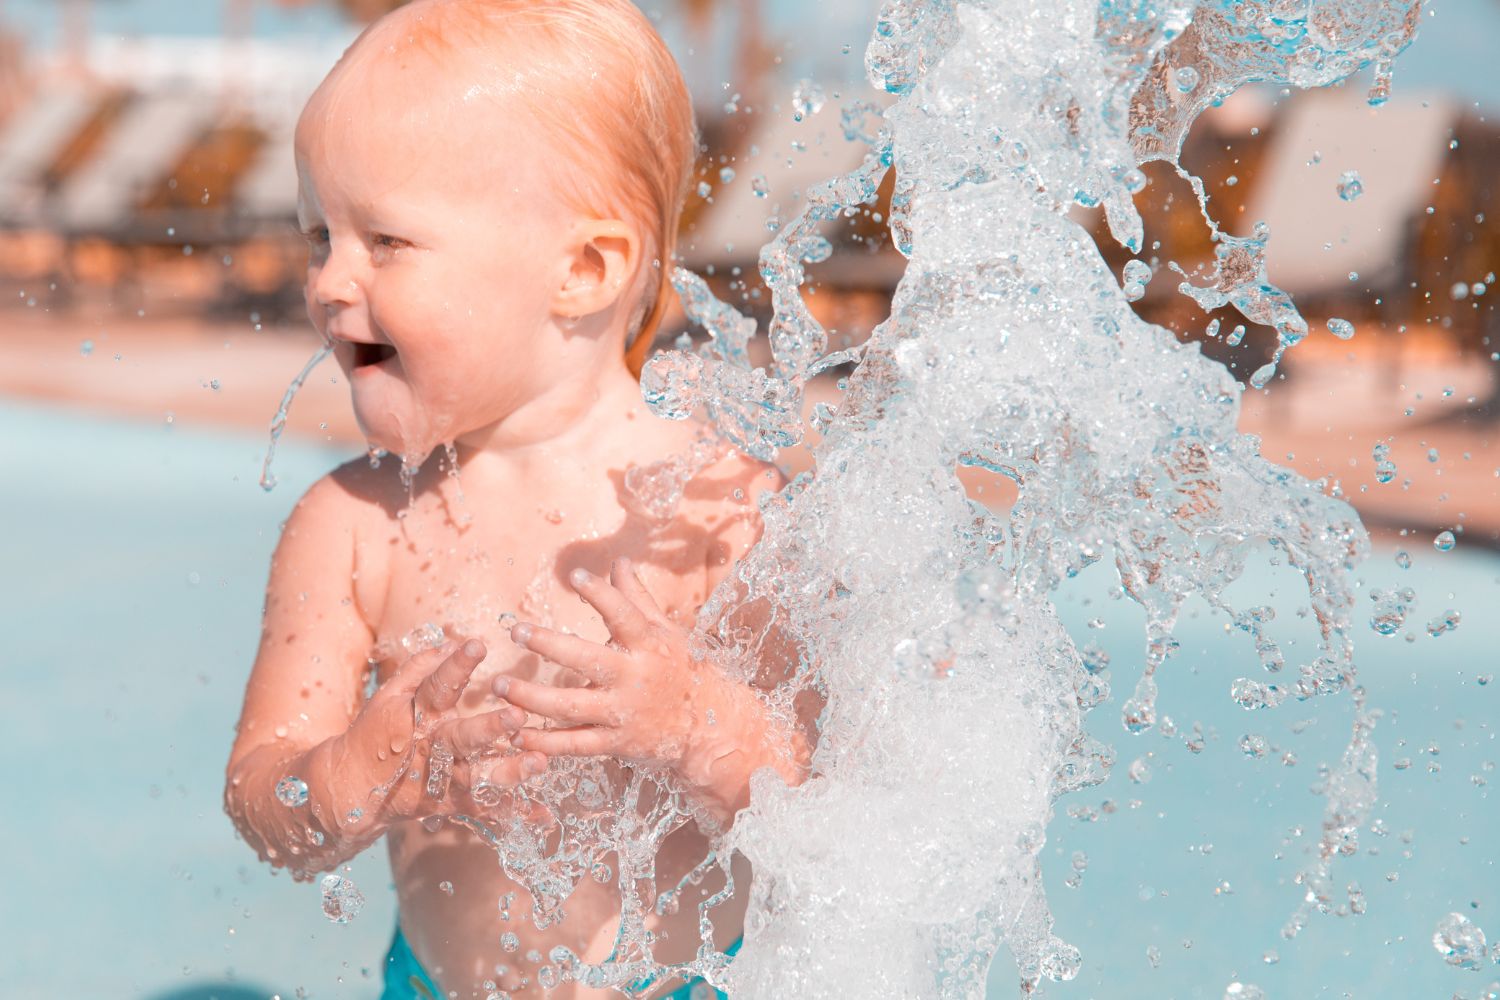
(147, 204)
(151, 317)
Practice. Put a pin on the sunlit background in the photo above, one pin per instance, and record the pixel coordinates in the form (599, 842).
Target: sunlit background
(151, 317)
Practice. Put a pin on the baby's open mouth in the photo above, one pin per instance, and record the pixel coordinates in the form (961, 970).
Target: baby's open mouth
(372, 354)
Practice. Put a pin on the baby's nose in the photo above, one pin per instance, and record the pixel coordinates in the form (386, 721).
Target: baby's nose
(335, 284)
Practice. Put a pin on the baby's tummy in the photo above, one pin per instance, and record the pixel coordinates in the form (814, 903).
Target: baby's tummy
(469, 924)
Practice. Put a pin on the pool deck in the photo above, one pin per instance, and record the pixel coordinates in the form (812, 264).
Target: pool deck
(1341, 398)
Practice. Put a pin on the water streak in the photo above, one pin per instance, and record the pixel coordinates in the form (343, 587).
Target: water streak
(278, 422)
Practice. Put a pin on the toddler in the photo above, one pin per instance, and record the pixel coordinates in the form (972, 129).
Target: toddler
(490, 191)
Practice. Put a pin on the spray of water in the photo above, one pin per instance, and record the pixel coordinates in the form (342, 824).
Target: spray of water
(954, 697)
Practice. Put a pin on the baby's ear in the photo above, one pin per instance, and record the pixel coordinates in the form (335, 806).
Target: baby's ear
(603, 258)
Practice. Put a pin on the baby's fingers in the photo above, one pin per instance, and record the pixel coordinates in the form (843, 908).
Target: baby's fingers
(583, 741)
(562, 704)
(441, 689)
(479, 733)
(589, 659)
(508, 772)
(625, 621)
(623, 575)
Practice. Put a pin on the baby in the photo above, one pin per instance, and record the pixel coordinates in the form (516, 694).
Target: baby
(490, 191)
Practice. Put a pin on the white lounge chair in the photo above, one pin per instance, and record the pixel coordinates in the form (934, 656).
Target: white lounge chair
(137, 153)
(1317, 238)
(33, 141)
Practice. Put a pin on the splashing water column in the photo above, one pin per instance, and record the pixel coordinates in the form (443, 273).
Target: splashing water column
(893, 870)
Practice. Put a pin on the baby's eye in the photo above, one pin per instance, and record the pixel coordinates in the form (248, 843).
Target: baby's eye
(384, 246)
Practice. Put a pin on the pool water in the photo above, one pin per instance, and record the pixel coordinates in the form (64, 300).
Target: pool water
(137, 557)
(1188, 875)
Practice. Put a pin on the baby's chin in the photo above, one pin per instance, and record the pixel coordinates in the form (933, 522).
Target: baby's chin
(410, 437)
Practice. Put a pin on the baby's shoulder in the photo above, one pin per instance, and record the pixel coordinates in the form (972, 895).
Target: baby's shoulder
(353, 496)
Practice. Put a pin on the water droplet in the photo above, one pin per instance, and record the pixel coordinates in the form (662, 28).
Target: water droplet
(291, 792)
(1444, 541)
(1134, 278)
(1341, 328)
(1350, 186)
(86, 348)
(1445, 622)
(1459, 291)
(510, 941)
(704, 189)
(807, 99)
(1244, 991)
(1403, 559)
(759, 186)
(1252, 694)
(1139, 771)
(1253, 745)
(1185, 79)
(342, 900)
(726, 174)
(1460, 942)
(1139, 712)
(1391, 607)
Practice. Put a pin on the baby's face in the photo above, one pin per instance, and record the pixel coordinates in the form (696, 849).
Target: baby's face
(434, 250)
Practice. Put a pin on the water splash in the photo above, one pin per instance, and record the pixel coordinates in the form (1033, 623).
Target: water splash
(1122, 443)
(278, 422)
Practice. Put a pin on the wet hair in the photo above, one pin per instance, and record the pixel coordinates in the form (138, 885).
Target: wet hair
(596, 75)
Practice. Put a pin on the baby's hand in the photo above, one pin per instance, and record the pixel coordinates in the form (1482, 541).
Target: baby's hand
(422, 759)
(649, 699)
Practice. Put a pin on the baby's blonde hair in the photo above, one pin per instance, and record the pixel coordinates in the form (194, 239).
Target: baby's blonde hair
(595, 73)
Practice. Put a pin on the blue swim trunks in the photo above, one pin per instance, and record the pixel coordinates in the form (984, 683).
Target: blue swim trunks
(405, 979)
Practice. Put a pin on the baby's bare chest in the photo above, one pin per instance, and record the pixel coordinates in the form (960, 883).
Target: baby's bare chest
(473, 570)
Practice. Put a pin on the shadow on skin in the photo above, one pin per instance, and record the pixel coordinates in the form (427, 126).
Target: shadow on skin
(677, 547)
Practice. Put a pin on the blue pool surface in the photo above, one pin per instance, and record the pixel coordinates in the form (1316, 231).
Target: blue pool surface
(137, 555)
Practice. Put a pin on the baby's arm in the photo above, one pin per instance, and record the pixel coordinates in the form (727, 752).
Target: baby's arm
(305, 716)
